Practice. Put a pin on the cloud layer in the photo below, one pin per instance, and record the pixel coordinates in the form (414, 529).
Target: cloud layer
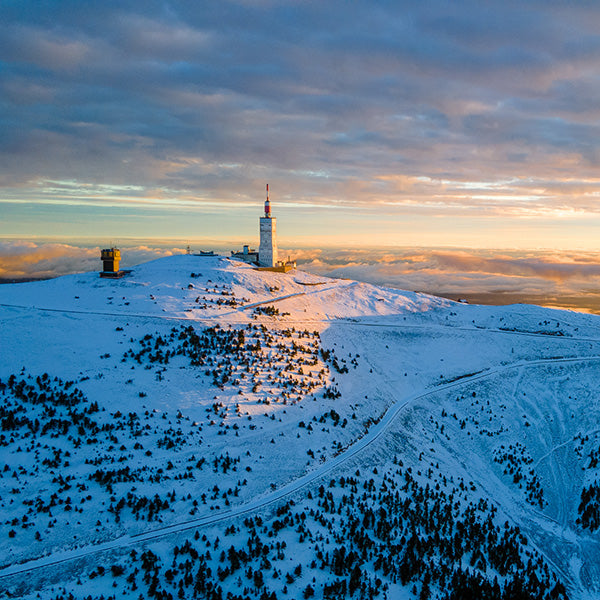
(461, 108)
(567, 279)
(558, 279)
(24, 260)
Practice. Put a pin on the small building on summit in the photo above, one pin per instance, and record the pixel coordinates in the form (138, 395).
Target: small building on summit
(247, 255)
(111, 259)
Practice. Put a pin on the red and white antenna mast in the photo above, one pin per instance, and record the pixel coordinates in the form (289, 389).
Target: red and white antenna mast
(267, 204)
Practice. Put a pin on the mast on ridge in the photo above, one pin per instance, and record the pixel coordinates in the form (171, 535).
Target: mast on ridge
(267, 204)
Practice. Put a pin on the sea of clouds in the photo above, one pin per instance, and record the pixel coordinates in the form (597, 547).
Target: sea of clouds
(454, 271)
(553, 278)
(40, 260)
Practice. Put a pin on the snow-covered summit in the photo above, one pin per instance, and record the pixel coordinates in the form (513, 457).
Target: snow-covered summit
(189, 286)
(205, 288)
(198, 400)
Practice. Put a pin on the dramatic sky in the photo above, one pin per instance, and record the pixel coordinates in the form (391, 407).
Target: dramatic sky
(432, 123)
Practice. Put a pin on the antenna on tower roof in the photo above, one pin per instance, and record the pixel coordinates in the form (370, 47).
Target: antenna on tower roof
(267, 204)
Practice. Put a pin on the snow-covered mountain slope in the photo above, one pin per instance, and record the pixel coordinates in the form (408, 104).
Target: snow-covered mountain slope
(199, 427)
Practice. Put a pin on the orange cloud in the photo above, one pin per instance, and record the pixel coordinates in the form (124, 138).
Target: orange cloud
(22, 260)
(441, 271)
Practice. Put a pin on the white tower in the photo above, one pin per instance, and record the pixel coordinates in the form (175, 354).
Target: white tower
(267, 251)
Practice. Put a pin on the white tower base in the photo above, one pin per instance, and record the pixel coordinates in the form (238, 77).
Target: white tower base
(267, 251)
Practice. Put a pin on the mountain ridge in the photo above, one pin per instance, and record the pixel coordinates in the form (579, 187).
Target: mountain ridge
(373, 354)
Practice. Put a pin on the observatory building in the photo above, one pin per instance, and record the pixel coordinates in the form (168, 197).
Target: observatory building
(111, 257)
(267, 251)
(266, 258)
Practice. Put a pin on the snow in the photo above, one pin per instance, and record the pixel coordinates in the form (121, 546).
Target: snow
(521, 378)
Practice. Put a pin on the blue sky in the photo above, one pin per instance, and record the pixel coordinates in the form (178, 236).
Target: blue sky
(397, 123)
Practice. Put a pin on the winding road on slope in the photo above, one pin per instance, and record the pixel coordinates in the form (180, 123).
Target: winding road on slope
(374, 433)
